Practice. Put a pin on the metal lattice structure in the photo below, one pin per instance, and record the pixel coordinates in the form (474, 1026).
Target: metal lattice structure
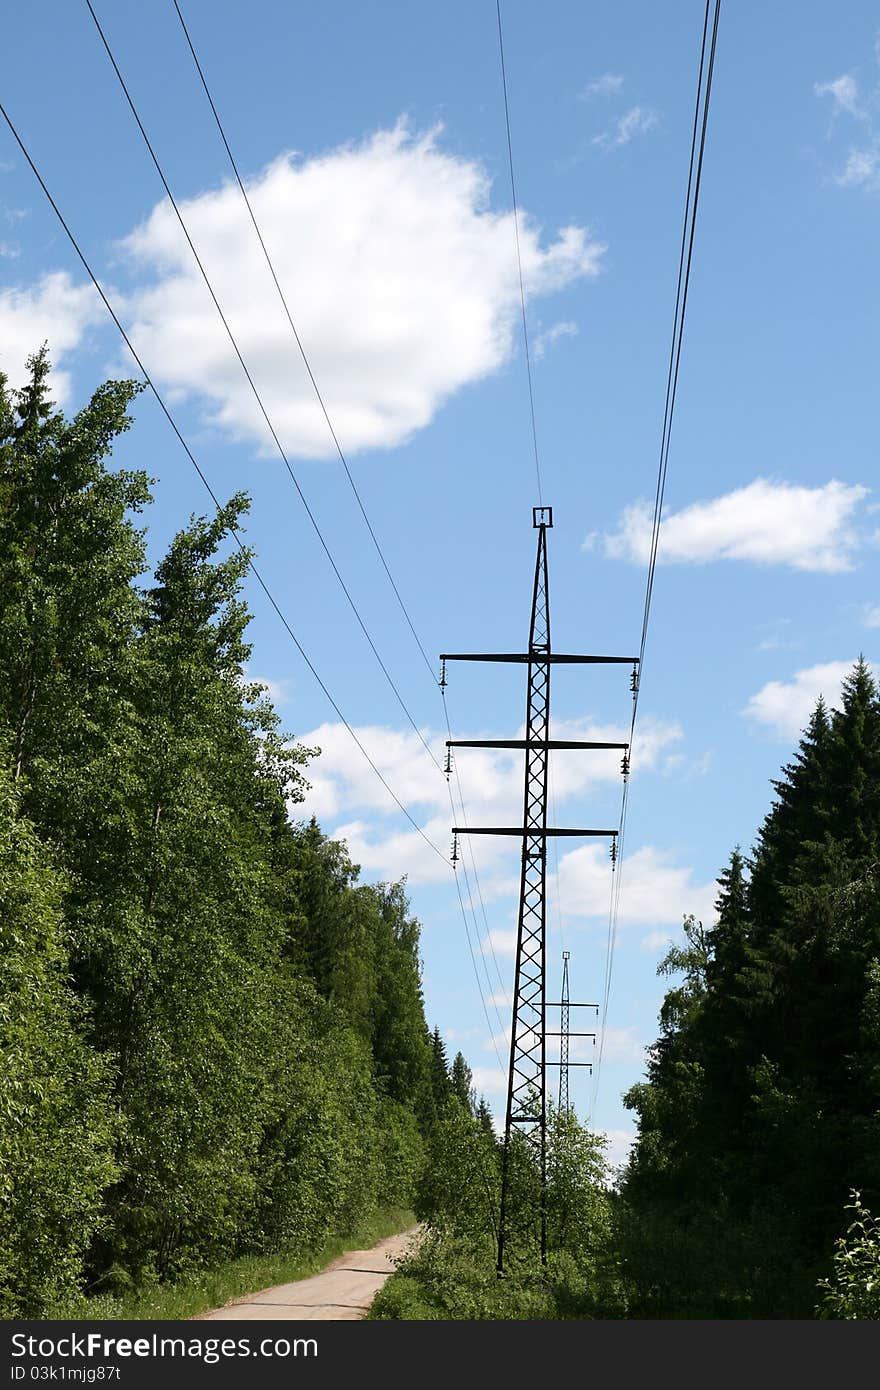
(526, 1084)
(565, 1006)
(525, 1128)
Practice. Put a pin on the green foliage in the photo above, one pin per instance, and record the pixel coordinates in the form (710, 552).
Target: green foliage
(402, 1150)
(213, 1035)
(462, 1080)
(460, 1185)
(452, 1273)
(56, 1121)
(853, 1290)
(203, 1289)
(760, 1108)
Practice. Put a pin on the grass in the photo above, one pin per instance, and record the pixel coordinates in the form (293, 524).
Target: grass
(211, 1288)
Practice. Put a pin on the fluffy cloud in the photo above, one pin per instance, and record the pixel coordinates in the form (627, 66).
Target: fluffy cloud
(620, 1045)
(765, 522)
(653, 889)
(54, 310)
(402, 852)
(400, 278)
(872, 615)
(490, 1081)
(637, 121)
(786, 706)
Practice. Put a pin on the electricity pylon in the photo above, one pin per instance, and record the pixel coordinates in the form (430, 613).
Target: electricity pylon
(565, 1005)
(526, 1087)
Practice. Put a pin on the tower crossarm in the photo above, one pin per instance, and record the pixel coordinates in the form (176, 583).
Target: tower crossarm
(523, 743)
(553, 658)
(536, 833)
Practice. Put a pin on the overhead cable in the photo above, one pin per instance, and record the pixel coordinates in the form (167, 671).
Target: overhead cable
(279, 446)
(695, 171)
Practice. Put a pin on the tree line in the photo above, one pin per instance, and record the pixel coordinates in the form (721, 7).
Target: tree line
(760, 1116)
(212, 1033)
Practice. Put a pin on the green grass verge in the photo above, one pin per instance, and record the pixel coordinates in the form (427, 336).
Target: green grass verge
(211, 1288)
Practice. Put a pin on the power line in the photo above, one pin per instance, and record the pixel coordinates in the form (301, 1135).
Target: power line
(522, 293)
(695, 171)
(296, 335)
(265, 414)
(173, 423)
(464, 822)
(335, 438)
(224, 138)
(354, 608)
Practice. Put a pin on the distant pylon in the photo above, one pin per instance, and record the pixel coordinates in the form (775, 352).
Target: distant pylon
(565, 1006)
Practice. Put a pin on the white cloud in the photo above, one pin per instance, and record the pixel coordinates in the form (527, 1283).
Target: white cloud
(653, 890)
(844, 92)
(862, 169)
(564, 329)
(490, 1081)
(656, 941)
(9, 251)
(499, 943)
(391, 855)
(862, 166)
(342, 779)
(786, 706)
(401, 280)
(637, 121)
(501, 1001)
(53, 310)
(620, 1141)
(621, 1045)
(607, 85)
(872, 615)
(765, 522)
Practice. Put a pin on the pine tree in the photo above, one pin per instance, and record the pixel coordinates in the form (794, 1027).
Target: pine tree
(484, 1117)
(759, 1113)
(462, 1081)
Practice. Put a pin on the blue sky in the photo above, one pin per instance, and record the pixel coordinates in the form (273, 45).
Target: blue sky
(373, 144)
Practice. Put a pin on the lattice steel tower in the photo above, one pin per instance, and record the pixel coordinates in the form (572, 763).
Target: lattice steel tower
(526, 1089)
(565, 1006)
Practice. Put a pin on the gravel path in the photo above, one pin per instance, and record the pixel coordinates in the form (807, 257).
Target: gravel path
(345, 1289)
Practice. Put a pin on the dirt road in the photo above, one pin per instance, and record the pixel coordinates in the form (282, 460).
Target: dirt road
(345, 1289)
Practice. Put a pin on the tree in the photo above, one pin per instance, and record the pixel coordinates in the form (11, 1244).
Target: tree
(462, 1082)
(68, 557)
(57, 1123)
(484, 1116)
